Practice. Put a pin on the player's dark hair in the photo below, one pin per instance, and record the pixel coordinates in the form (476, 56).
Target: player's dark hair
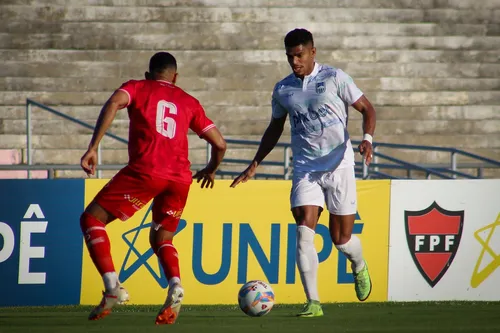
(298, 37)
(161, 62)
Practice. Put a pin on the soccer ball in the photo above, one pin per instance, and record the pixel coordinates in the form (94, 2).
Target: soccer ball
(256, 298)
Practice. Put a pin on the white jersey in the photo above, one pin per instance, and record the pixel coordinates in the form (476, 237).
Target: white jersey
(318, 113)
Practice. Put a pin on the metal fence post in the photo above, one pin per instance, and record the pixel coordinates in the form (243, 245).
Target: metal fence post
(287, 163)
(365, 169)
(28, 136)
(209, 152)
(454, 163)
(99, 171)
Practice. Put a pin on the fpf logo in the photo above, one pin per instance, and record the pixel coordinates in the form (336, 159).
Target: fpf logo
(433, 236)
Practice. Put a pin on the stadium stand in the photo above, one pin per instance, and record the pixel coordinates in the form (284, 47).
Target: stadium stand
(431, 67)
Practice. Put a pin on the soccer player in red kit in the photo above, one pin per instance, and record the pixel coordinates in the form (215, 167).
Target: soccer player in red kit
(160, 116)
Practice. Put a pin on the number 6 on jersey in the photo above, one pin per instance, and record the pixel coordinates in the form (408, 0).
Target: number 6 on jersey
(165, 125)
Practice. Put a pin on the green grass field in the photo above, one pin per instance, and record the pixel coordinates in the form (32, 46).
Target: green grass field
(353, 317)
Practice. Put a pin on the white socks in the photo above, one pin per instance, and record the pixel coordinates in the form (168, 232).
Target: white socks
(307, 261)
(352, 250)
(110, 280)
(173, 281)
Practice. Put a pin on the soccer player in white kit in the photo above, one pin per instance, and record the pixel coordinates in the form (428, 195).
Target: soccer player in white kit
(317, 98)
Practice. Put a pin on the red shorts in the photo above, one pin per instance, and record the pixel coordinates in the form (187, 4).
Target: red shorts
(129, 191)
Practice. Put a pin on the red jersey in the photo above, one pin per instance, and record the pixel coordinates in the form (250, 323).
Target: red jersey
(160, 116)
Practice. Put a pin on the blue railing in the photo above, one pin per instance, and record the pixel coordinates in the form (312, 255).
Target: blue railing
(377, 170)
(50, 169)
(441, 171)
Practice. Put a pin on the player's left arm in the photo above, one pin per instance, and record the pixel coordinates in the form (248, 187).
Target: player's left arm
(366, 108)
(352, 95)
(117, 101)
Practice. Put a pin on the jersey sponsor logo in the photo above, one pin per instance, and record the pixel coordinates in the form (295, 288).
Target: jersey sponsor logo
(135, 201)
(433, 236)
(320, 87)
(305, 122)
(175, 213)
(489, 259)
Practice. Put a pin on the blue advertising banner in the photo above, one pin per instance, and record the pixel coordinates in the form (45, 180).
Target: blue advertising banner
(40, 241)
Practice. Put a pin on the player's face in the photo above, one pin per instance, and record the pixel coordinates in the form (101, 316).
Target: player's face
(301, 59)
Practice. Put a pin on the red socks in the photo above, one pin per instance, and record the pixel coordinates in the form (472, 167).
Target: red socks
(169, 259)
(97, 241)
(99, 248)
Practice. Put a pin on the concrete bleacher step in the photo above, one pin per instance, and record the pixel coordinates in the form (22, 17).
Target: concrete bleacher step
(211, 40)
(198, 156)
(272, 71)
(259, 98)
(258, 126)
(222, 13)
(191, 84)
(421, 4)
(139, 58)
(80, 141)
(35, 13)
(430, 67)
(89, 114)
(244, 28)
(120, 156)
(453, 140)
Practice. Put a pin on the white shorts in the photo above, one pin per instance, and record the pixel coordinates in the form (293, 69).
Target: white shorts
(336, 188)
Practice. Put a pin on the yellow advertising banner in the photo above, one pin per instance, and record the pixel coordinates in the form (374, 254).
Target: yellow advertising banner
(228, 236)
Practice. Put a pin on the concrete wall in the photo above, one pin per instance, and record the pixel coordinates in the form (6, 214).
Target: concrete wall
(431, 67)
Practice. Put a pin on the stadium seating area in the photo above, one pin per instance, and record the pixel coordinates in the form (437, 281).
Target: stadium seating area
(431, 67)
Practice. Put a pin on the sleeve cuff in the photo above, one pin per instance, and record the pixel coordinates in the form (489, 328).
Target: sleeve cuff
(128, 94)
(206, 129)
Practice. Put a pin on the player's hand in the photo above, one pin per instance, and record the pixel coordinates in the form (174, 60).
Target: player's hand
(89, 161)
(366, 149)
(207, 177)
(245, 175)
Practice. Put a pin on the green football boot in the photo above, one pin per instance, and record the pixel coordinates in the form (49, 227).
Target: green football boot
(363, 284)
(311, 309)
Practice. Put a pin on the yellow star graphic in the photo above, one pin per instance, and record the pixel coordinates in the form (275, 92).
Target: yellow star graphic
(478, 277)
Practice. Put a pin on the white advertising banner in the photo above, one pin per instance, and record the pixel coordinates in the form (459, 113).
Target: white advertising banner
(444, 240)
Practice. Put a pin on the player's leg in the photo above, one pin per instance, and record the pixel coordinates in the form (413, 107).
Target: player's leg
(121, 197)
(167, 211)
(341, 201)
(93, 223)
(307, 201)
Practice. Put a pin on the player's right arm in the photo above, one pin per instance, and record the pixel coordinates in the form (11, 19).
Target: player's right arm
(117, 101)
(218, 144)
(268, 142)
(206, 130)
